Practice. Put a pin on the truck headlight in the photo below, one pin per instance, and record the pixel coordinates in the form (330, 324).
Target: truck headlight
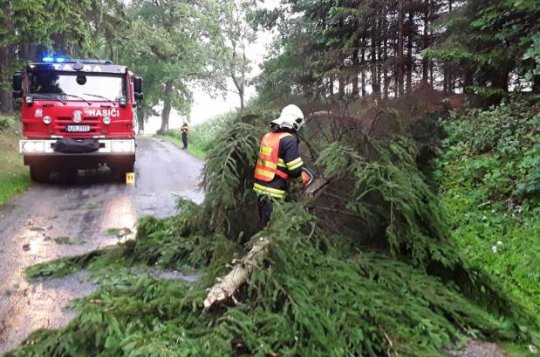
(122, 146)
(106, 120)
(33, 147)
(47, 119)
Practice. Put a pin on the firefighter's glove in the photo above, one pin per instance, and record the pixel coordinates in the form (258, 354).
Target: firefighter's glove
(307, 177)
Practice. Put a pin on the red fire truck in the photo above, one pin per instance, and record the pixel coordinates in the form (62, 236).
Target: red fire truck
(77, 114)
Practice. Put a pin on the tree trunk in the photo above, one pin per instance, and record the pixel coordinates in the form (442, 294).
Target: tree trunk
(468, 78)
(374, 84)
(5, 90)
(386, 79)
(425, 60)
(363, 71)
(536, 84)
(240, 88)
(5, 101)
(399, 71)
(380, 63)
(167, 106)
(140, 118)
(445, 78)
(410, 63)
(223, 291)
(355, 78)
(241, 94)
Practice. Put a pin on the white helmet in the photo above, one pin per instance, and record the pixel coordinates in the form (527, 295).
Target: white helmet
(291, 117)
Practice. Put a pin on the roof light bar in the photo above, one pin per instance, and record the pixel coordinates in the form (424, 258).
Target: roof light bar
(53, 59)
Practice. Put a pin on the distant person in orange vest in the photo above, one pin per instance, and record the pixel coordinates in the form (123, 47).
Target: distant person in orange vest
(279, 161)
(184, 129)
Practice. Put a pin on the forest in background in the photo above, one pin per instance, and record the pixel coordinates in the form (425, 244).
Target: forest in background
(350, 49)
(172, 44)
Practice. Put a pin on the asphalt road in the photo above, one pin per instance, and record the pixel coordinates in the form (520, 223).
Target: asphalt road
(54, 220)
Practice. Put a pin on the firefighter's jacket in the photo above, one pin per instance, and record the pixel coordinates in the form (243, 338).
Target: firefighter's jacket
(279, 162)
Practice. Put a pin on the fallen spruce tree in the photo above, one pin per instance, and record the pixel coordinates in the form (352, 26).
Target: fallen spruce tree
(365, 268)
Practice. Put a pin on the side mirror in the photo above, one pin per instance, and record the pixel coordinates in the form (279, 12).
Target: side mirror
(17, 85)
(137, 88)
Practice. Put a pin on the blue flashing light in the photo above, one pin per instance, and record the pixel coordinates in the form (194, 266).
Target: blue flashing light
(53, 59)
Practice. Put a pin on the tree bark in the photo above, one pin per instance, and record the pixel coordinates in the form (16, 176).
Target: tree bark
(374, 84)
(425, 61)
(386, 79)
(410, 63)
(167, 106)
(536, 84)
(5, 90)
(341, 82)
(140, 119)
(399, 71)
(223, 291)
(355, 71)
(363, 71)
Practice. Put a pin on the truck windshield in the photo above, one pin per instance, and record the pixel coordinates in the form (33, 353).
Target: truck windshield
(85, 86)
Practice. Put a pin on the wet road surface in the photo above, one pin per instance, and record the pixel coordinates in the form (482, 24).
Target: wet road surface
(55, 220)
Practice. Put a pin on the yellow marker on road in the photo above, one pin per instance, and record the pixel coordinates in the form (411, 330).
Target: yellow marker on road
(130, 178)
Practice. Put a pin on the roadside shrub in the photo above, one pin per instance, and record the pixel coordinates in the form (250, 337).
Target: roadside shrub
(6, 122)
(497, 150)
(489, 176)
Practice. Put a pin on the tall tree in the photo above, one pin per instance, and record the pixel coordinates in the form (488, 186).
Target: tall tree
(236, 37)
(170, 45)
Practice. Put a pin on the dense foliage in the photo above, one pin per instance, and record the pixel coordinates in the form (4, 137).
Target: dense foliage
(13, 175)
(316, 293)
(373, 266)
(30, 29)
(490, 182)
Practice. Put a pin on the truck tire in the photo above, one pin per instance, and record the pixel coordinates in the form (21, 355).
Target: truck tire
(39, 173)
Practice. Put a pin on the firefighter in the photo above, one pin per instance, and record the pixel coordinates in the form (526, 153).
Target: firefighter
(185, 130)
(279, 161)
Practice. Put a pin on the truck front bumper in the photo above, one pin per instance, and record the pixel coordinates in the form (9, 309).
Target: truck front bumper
(106, 147)
(112, 152)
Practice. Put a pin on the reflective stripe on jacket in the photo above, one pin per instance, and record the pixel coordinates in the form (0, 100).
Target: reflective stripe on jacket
(269, 191)
(268, 163)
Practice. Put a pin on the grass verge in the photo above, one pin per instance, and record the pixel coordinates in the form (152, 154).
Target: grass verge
(174, 137)
(202, 137)
(13, 174)
(490, 187)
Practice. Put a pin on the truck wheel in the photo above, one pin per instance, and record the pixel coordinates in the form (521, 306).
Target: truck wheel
(39, 173)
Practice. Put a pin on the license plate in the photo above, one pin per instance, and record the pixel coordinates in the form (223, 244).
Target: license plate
(77, 128)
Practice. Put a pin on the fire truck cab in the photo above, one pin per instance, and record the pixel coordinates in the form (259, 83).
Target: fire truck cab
(77, 114)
